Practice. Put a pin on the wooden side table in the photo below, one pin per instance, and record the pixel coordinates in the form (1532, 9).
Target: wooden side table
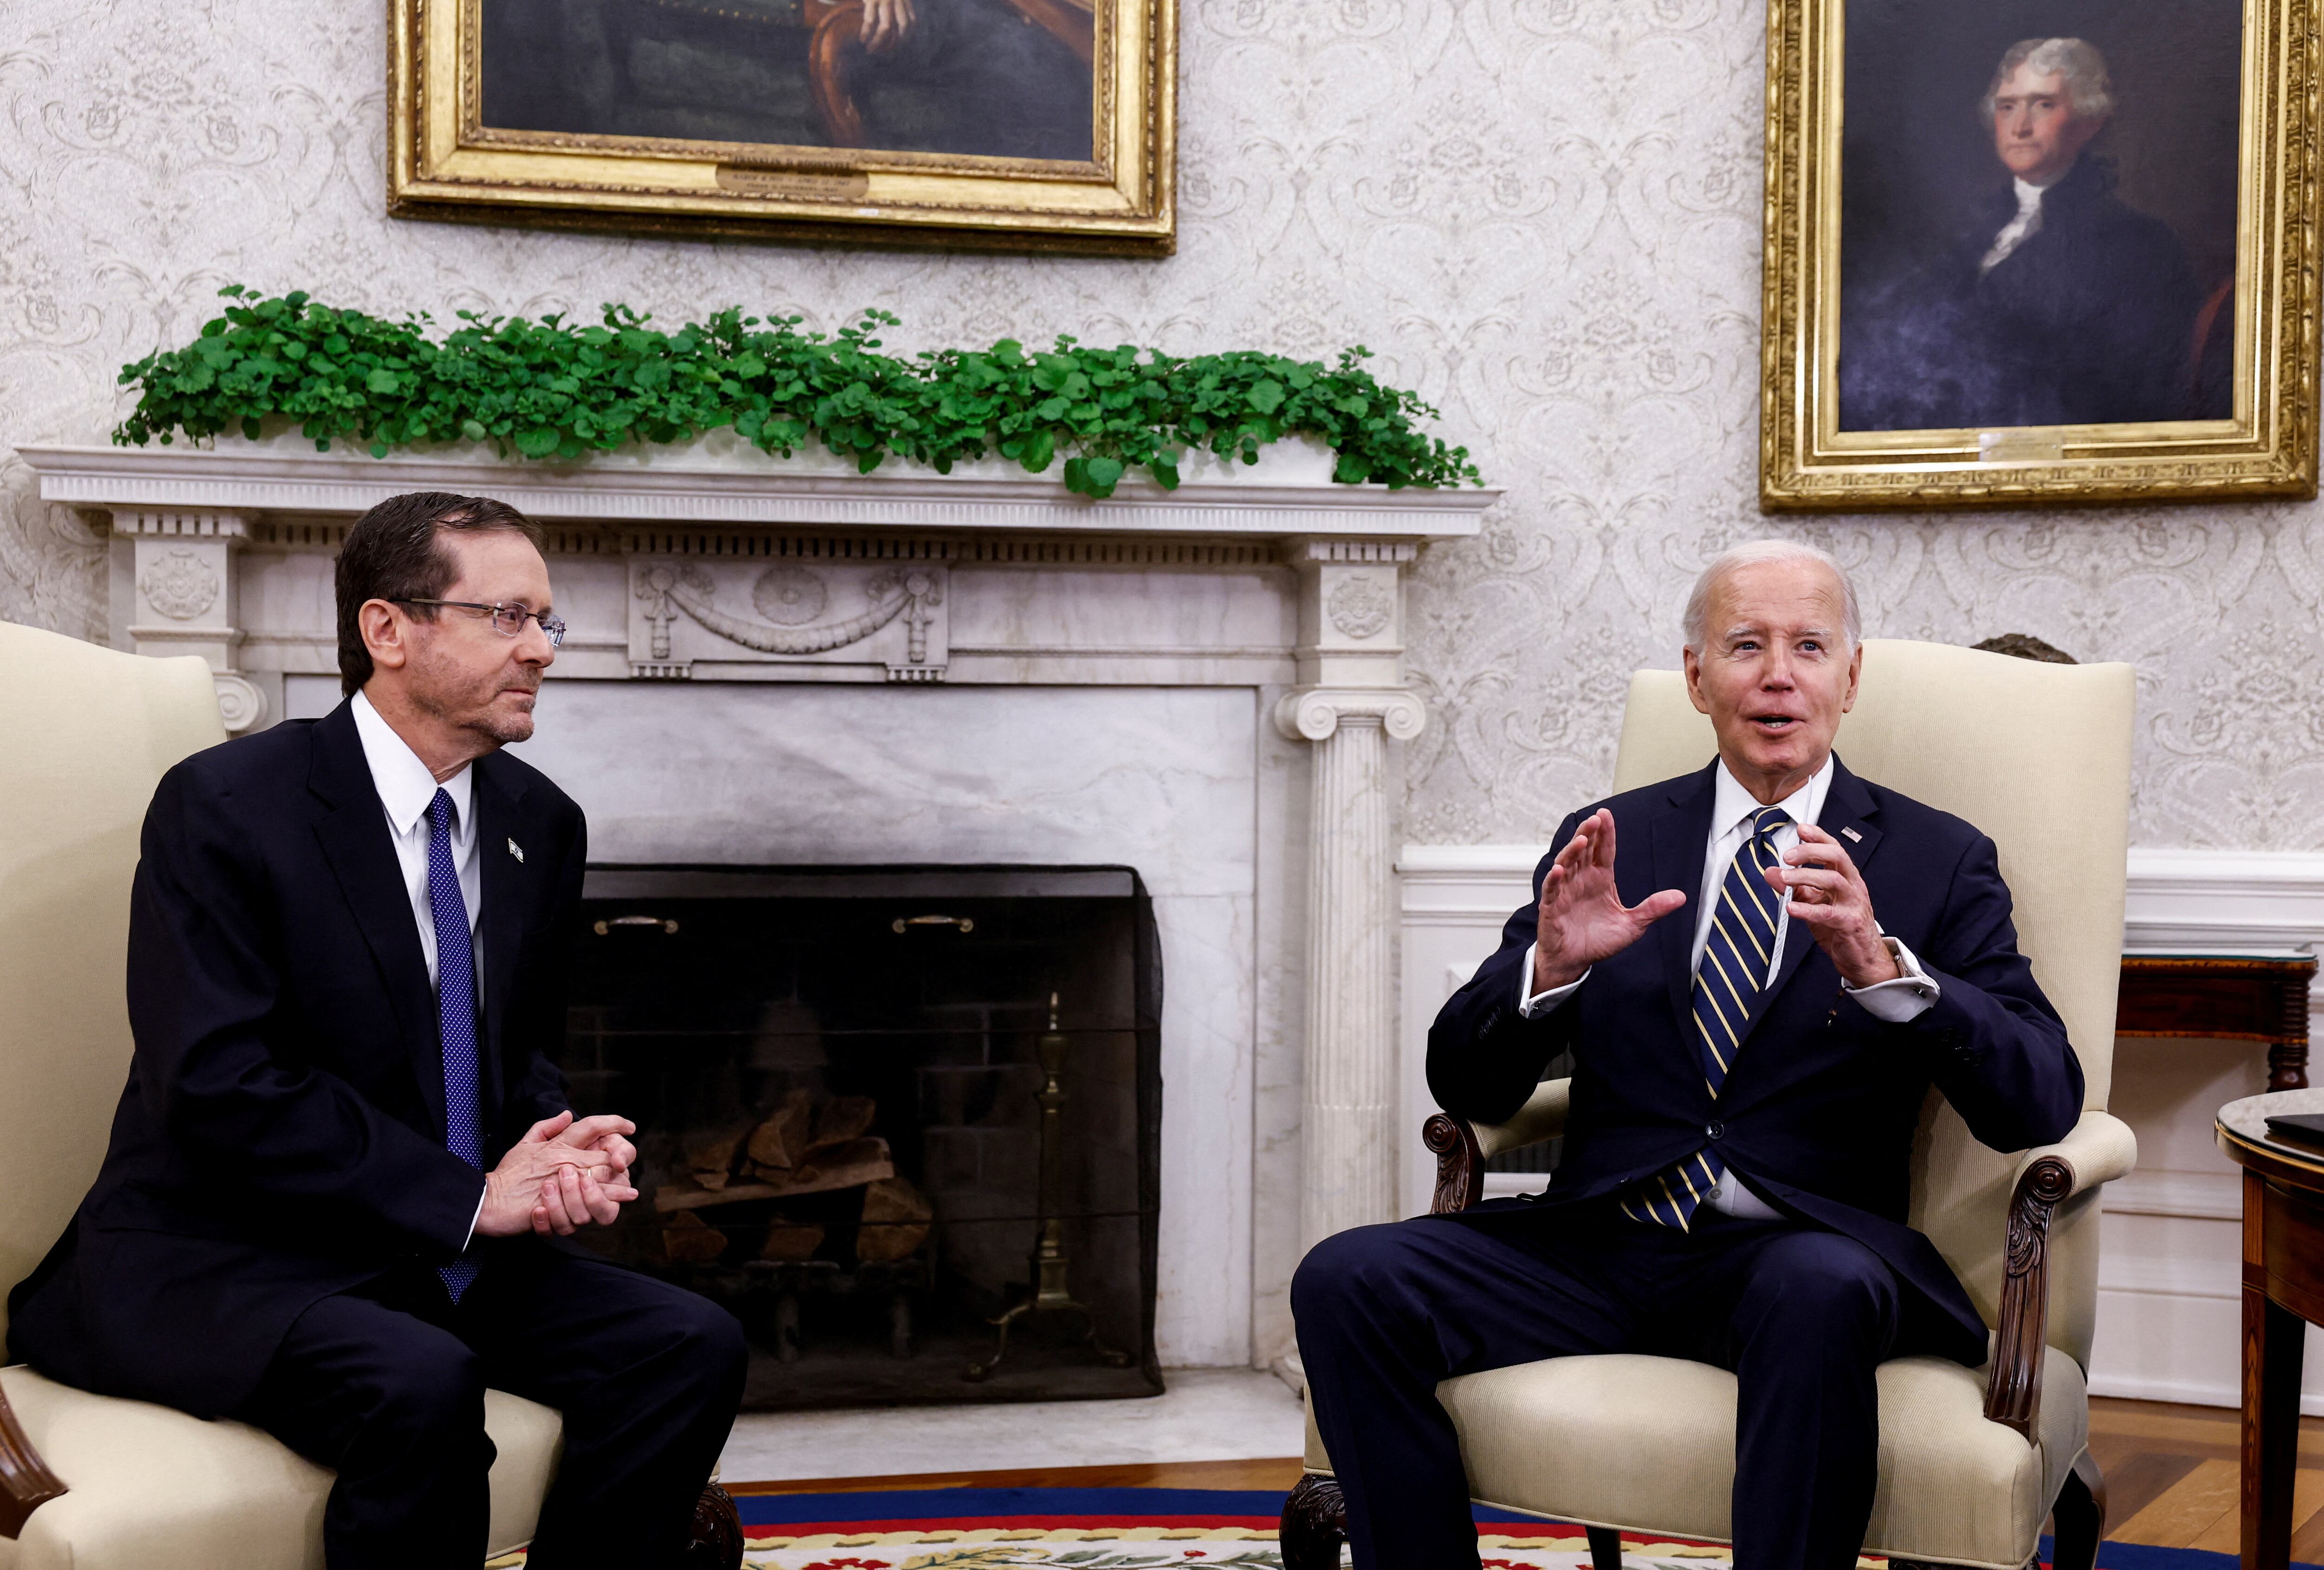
(2254, 997)
(2283, 1293)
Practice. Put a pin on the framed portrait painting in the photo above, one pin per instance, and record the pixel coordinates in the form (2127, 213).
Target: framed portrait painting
(2032, 251)
(1044, 125)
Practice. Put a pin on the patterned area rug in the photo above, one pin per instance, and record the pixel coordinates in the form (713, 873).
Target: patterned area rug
(1145, 1529)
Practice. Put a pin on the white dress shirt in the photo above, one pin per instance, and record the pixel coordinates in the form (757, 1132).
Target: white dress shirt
(2018, 229)
(407, 789)
(1732, 807)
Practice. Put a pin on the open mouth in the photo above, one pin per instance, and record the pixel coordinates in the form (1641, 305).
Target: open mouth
(1775, 724)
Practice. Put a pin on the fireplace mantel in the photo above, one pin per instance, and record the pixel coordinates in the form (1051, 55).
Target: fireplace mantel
(719, 479)
(693, 570)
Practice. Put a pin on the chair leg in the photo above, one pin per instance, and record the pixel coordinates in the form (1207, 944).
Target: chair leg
(1315, 1525)
(1605, 1549)
(714, 1541)
(2078, 1517)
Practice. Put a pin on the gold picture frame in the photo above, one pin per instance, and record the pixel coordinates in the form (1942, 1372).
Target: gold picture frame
(1853, 356)
(987, 156)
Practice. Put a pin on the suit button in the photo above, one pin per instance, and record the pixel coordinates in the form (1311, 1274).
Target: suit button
(1715, 1131)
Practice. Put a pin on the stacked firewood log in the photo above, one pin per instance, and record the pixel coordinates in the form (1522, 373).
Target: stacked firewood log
(801, 1147)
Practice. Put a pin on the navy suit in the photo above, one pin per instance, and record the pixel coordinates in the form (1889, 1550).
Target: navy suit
(1817, 1116)
(262, 1238)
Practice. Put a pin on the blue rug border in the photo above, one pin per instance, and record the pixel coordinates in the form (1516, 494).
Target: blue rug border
(906, 1504)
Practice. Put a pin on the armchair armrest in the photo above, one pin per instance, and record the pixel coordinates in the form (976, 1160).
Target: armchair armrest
(26, 1483)
(1463, 1148)
(2100, 1149)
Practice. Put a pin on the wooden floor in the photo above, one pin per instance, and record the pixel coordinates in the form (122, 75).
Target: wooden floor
(2173, 1476)
(2170, 1477)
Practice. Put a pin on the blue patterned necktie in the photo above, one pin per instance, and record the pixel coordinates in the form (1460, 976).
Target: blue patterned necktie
(1735, 960)
(456, 1013)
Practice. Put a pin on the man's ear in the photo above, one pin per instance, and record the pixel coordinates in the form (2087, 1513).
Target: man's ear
(385, 634)
(1691, 661)
(1854, 669)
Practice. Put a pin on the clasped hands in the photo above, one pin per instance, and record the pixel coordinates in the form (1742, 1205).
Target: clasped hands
(1581, 918)
(563, 1175)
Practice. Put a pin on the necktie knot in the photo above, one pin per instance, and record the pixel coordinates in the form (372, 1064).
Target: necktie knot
(1763, 822)
(439, 811)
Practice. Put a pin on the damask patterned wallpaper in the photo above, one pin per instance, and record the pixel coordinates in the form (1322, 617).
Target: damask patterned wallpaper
(1543, 213)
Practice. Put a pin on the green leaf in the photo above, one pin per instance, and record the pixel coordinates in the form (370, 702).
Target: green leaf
(548, 387)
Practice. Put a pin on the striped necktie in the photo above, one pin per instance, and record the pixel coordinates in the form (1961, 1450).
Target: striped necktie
(1736, 959)
(456, 1013)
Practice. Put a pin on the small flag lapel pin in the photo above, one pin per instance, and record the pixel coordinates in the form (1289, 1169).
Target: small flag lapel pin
(1849, 832)
(516, 850)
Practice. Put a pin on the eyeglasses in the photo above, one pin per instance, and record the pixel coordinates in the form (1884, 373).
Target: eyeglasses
(508, 619)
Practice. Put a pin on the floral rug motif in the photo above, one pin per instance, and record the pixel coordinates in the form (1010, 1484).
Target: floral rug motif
(1148, 1528)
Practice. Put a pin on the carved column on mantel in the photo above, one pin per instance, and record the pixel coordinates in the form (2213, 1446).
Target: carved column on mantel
(1350, 699)
(188, 599)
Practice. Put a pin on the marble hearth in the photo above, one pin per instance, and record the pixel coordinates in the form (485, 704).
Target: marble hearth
(787, 663)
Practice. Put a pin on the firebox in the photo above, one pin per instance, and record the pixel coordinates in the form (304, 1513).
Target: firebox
(903, 1122)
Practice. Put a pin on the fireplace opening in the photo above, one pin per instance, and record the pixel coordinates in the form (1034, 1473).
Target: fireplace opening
(902, 1122)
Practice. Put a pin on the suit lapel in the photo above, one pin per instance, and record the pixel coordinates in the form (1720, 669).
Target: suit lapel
(1681, 834)
(1848, 806)
(355, 841)
(504, 884)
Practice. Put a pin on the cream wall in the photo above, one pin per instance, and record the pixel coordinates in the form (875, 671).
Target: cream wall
(1541, 212)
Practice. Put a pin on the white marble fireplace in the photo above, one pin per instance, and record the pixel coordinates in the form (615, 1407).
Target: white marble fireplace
(786, 663)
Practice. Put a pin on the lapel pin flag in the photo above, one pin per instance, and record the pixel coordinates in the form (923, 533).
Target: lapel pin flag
(1849, 832)
(515, 850)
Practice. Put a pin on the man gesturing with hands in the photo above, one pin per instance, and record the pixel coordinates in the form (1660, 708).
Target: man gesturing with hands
(1760, 969)
(344, 1165)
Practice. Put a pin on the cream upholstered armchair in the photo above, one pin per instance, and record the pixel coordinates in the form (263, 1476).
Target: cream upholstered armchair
(89, 1483)
(1971, 1461)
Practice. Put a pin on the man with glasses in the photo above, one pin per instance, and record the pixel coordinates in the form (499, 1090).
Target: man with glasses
(344, 1161)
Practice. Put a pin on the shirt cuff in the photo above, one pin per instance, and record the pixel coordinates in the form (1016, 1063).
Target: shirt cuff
(474, 1219)
(1531, 1005)
(1907, 997)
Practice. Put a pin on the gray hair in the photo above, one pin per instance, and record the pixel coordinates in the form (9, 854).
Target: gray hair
(2084, 69)
(1757, 553)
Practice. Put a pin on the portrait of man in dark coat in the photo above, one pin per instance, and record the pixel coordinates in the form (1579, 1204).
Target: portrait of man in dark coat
(2058, 303)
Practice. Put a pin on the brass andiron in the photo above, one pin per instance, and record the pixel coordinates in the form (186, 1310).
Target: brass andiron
(1050, 1293)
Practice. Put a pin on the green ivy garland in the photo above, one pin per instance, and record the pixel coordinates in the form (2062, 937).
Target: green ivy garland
(551, 390)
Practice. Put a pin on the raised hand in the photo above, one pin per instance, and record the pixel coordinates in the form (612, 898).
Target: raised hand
(516, 1187)
(1581, 918)
(1828, 894)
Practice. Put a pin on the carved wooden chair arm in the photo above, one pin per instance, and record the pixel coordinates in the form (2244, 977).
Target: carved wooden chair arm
(1463, 1148)
(2100, 1149)
(26, 1483)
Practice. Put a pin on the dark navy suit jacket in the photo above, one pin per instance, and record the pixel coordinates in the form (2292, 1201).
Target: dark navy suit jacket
(1819, 1110)
(281, 1134)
